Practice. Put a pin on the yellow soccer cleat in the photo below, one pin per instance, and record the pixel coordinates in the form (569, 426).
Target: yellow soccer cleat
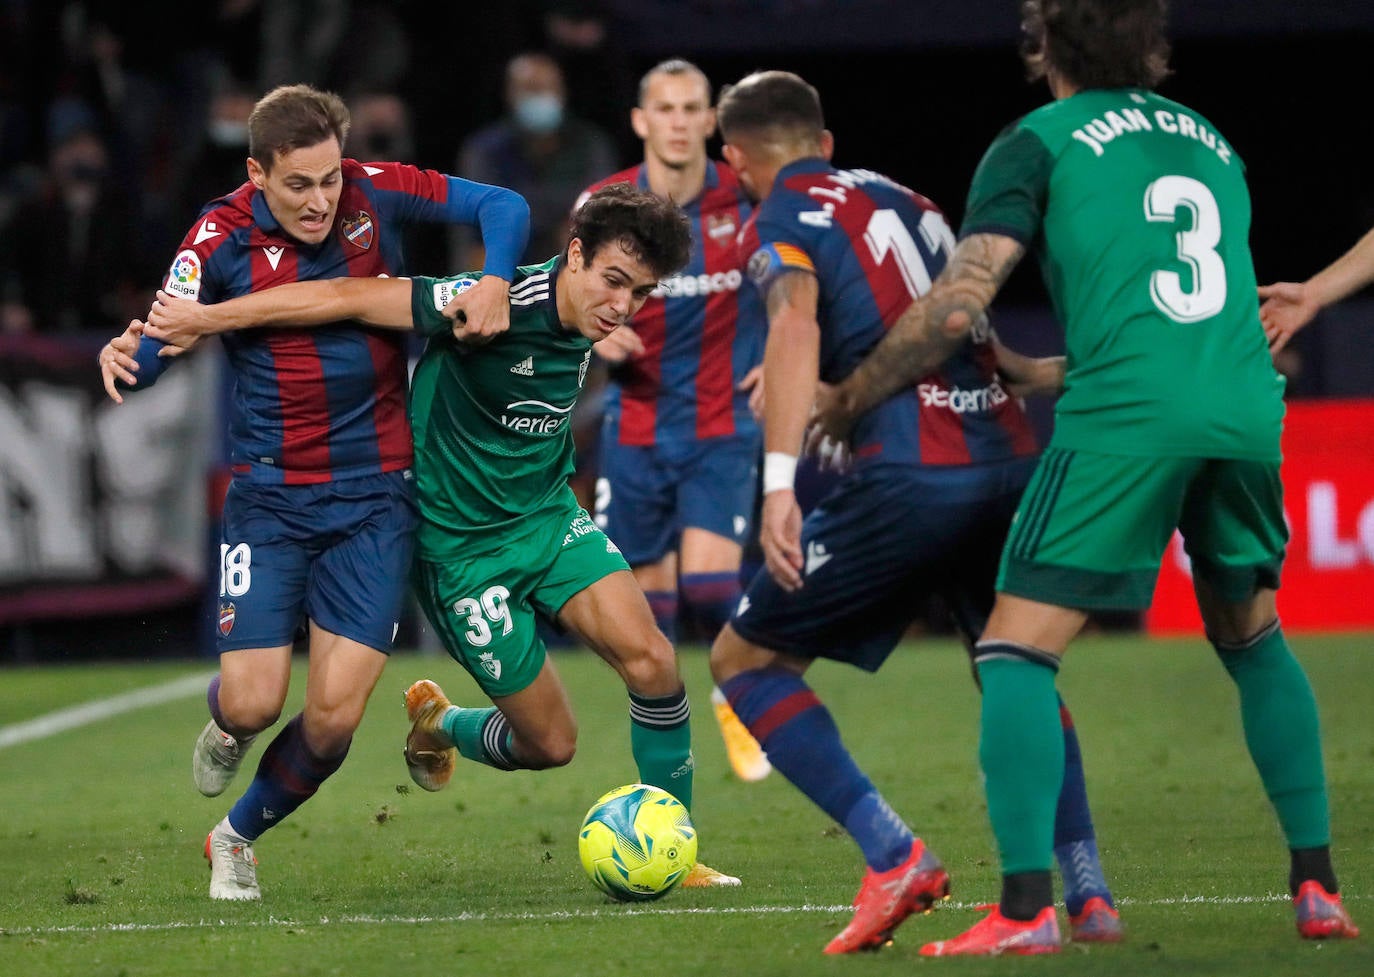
(430, 755)
(747, 758)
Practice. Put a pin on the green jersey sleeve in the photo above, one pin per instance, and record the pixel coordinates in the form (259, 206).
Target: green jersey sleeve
(1010, 187)
(429, 296)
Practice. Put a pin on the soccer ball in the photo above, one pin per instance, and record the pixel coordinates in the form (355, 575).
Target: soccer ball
(637, 842)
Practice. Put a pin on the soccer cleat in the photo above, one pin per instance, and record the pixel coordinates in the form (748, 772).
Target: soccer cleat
(1097, 922)
(233, 866)
(1321, 916)
(995, 935)
(430, 755)
(887, 898)
(704, 877)
(747, 758)
(216, 759)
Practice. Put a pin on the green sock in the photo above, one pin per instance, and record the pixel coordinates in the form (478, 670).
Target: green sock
(1282, 731)
(661, 741)
(480, 734)
(1021, 749)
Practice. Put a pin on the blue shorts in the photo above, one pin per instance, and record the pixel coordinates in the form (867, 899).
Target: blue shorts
(647, 495)
(337, 553)
(886, 537)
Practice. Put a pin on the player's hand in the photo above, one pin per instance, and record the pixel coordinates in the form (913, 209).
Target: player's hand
(1287, 307)
(753, 382)
(179, 323)
(481, 313)
(832, 455)
(780, 536)
(117, 361)
(1024, 376)
(829, 417)
(621, 345)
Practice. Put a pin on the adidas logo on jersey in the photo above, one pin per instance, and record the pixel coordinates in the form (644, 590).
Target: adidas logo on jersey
(525, 367)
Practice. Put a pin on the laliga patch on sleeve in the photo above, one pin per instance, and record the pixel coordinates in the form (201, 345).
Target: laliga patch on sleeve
(446, 291)
(774, 258)
(185, 275)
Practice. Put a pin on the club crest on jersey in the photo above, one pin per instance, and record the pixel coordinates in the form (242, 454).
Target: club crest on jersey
(359, 229)
(227, 613)
(721, 228)
(490, 664)
(184, 277)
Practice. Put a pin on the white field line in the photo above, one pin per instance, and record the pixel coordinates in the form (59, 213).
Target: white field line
(98, 709)
(573, 914)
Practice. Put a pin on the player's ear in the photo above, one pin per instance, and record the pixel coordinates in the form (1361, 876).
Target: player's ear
(711, 126)
(827, 144)
(256, 174)
(639, 122)
(575, 254)
(733, 156)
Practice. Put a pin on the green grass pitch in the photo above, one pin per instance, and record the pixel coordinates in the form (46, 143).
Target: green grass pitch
(101, 871)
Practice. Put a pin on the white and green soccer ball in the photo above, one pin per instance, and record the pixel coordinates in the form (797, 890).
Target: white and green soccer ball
(637, 842)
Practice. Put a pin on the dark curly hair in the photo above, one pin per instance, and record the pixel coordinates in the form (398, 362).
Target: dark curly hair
(650, 229)
(1096, 43)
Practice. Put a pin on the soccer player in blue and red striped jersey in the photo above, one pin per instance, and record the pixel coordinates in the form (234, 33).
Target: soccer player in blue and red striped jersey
(679, 445)
(319, 516)
(937, 472)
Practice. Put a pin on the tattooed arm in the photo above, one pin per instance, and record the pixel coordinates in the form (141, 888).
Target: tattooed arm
(926, 334)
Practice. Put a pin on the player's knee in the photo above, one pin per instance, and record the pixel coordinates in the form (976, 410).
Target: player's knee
(731, 654)
(247, 715)
(554, 749)
(330, 730)
(652, 668)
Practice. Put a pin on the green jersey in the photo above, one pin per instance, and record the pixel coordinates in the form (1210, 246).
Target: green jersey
(1140, 216)
(492, 423)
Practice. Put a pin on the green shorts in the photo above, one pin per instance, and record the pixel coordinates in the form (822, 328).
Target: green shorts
(483, 607)
(1092, 528)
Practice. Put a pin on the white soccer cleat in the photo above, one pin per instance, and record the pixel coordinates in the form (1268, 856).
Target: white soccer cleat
(216, 759)
(233, 866)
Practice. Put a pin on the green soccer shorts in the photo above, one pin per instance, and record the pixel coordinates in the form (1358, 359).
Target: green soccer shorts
(483, 607)
(1091, 528)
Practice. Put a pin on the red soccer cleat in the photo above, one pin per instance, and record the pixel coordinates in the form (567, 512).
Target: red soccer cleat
(887, 898)
(1321, 915)
(1097, 922)
(994, 935)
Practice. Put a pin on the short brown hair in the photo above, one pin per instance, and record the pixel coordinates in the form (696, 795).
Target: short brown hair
(676, 67)
(293, 117)
(650, 228)
(776, 103)
(1096, 43)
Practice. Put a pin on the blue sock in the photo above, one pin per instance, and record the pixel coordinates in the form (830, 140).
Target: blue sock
(1075, 842)
(803, 743)
(288, 776)
(663, 604)
(711, 599)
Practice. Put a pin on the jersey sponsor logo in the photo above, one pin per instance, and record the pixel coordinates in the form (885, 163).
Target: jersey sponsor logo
(525, 367)
(273, 254)
(359, 230)
(446, 292)
(227, 614)
(817, 556)
(489, 664)
(960, 401)
(207, 230)
(535, 417)
(688, 286)
(185, 276)
(721, 228)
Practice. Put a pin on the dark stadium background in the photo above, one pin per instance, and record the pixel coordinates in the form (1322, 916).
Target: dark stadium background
(912, 89)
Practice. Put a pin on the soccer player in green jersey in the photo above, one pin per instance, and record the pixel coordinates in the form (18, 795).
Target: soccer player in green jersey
(502, 538)
(1170, 418)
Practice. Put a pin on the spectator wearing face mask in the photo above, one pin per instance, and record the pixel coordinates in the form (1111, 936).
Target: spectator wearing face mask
(538, 149)
(68, 254)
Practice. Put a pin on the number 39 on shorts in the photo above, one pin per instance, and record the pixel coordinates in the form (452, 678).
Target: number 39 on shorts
(235, 575)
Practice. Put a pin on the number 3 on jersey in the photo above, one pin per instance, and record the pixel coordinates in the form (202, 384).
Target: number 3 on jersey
(1196, 249)
(481, 615)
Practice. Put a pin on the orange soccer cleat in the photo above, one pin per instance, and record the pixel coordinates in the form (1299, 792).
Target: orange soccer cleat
(887, 898)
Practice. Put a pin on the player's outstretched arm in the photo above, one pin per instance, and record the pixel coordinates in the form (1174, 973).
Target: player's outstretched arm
(1289, 306)
(384, 302)
(926, 334)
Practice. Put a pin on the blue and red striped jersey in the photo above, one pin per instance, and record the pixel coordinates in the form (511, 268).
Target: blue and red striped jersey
(320, 404)
(874, 246)
(702, 332)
